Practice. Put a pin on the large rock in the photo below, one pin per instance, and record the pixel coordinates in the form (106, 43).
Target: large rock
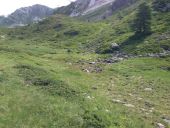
(115, 46)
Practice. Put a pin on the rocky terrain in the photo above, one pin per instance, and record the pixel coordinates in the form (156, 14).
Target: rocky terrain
(103, 8)
(26, 15)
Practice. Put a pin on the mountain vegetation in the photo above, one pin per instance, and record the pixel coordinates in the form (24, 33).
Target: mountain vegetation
(84, 71)
(142, 23)
(161, 5)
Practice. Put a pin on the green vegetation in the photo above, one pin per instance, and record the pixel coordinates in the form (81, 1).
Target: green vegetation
(49, 74)
(44, 89)
(142, 23)
(161, 5)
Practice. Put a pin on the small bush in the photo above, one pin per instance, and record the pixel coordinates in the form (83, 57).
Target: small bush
(71, 33)
(161, 5)
(58, 27)
(92, 120)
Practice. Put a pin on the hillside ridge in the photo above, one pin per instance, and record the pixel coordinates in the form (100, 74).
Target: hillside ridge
(26, 15)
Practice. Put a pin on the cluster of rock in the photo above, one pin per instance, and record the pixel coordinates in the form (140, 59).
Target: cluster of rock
(90, 66)
(116, 57)
(96, 66)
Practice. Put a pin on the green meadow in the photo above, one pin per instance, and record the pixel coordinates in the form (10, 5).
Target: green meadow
(48, 76)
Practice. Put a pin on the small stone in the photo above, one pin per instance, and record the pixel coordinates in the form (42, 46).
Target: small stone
(98, 70)
(3, 36)
(117, 101)
(142, 109)
(69, 63)
(86, 70)
(107, 110)
(92, 62)
(129, 105)
(150, 111)
(139, 98)
(114, 46)
(27, 85)
(130, 94)
(120, 59)
(88, 97)
(160, 125)
(148, 89)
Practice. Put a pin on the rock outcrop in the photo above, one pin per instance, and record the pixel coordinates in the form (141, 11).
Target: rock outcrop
(26, 15)
(100, 9)
(83, 7)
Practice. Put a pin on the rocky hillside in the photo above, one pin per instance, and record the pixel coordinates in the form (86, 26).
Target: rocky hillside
(83, 7)
(26, 15)
(93, 9)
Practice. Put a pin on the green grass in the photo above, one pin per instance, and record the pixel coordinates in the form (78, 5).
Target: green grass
(79, 36)
(43, 85)
(44, 89)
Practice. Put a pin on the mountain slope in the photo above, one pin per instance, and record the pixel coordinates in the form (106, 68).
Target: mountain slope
(82, 7)
(27, 15)
(63, 73)
(101, 35)
(93, 9)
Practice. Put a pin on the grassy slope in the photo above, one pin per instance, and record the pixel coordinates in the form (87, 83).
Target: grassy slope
(118, 31)
(98, 36)
(44, 90)
(43, 85)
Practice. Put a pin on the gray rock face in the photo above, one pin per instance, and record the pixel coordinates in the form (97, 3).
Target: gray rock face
(95, 5)
(87, 7)
(83, 7)
(26, 15)
(75, 8)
